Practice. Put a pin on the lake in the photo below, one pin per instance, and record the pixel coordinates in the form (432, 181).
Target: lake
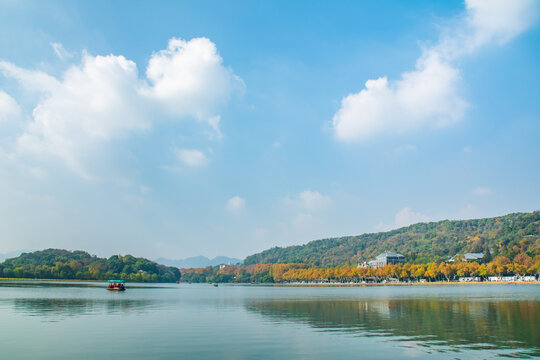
(58, 320)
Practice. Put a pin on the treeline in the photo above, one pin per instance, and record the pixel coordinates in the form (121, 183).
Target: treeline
(79, 265)
(293, 272)
(420, 243)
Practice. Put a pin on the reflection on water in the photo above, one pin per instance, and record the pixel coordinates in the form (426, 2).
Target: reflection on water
(53, 301)
(48, 284)
(433, 323)
(53, 309)
(246, 322)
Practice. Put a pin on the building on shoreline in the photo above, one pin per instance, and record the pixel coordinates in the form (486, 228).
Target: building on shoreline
(385, 259)
(467, 257)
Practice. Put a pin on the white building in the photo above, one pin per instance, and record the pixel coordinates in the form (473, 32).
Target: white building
(387, 258)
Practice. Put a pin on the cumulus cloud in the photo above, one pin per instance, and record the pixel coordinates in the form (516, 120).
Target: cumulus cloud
(93, 103)
(235, 204)
(191, 157)
(189, 79)
(9, 109)
(428, 96)
(104, 99)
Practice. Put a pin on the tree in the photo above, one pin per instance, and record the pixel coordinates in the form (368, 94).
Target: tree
(500, 263)
(524, 260)
(487, 256)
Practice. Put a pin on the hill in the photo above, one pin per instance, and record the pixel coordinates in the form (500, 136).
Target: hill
(198, 261)
(420, 243)
(64, 264)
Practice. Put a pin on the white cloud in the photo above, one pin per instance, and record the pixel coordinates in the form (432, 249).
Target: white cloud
(499, 20)
(9, 109)
(189, 79)
(428, 97)
(407, 216)
(191, 157)
(404, 217)
(308, 200)
(30, 80)
(93, 103)
(60, 51)
(313, 200)
(482, 191)
(214, 125)
(103, 99)
(235, 204)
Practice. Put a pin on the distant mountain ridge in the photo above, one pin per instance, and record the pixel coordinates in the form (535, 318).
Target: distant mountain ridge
(198, 261)
(13, 254)
(420, 243)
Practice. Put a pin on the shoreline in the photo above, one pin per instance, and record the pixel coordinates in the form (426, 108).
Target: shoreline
(433, 283)
(79, 280)
(30, 279)
(302, 284)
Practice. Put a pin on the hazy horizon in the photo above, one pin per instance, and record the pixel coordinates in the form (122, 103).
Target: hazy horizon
(227, 128)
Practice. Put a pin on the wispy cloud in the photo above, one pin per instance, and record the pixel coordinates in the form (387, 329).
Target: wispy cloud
(60, 51)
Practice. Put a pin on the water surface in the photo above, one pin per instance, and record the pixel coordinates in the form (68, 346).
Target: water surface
(44, 320)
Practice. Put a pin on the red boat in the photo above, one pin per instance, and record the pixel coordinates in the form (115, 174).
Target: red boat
(116, 285)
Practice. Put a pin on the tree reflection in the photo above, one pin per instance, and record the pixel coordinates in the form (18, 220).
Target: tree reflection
(432, 323)
(55, 309)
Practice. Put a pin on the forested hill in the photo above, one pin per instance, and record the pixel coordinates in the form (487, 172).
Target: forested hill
(63, 264)
(420, 243)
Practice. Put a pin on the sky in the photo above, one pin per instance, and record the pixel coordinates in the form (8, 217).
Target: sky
(183, 128)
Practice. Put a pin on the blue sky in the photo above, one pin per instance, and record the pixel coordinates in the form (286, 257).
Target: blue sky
(223, 128)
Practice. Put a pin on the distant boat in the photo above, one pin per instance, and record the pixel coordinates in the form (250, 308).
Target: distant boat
(116, 285)
(216, 285)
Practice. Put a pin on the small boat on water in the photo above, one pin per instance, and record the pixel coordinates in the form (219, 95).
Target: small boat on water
(216, 285)
(116, 285)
